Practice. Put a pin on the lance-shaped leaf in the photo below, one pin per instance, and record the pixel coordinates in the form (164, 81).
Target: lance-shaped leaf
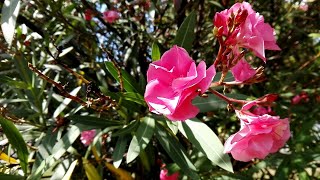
(141, 139)
(9, 14)
(155, 52)
(206, 141)
(119, 151)
(175, 150)
(129, 84)
(185, 34)
(16, 140)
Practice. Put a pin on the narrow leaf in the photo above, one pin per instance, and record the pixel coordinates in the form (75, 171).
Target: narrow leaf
(206, 141)
(129, 83)
(185, 35)
(155, 54)
(127, 129)
(210, 103)
(118, 172)
(10, 177)
(16, 140)
(9, 14)
(119, 151)
(141, 139)
(175, 150)
(68, 174)
(5, 157)
(65, 102)
(134, 97)
(91, 171)
(94, 121)
(65, 142)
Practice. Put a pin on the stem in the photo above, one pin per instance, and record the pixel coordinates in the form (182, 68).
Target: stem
(220, 52)
(227, 99)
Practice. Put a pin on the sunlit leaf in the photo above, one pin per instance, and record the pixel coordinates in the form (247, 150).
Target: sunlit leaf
(175, 150)
(16, 140)
(5, 157)
(119, 150)
(155, 52)
(205, 140)
(141, 139)
(65, 142)
(135, 97)
(68, 174)
(118, 172)
(185, 34)
(65, 102)
(91, 171)
(9, 14)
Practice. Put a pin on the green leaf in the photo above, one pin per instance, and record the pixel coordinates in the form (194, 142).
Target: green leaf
(9, 14)
(16, 140)
(173, 125)
(206, 141)
(175, 150)
(119, 150)
(141, 139)
(11, 82)
(65, 142)
(127, 129)
(185, 35)
(134, 97)
(65, 102)
(210, 103)
(155, 55)
(94, 121)
(10, 177)
(129, 84)
(91, 171)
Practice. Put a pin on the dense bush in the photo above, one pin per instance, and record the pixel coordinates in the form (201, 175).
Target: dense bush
(74, 66)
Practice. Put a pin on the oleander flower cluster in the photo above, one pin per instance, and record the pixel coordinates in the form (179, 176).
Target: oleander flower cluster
(175, 80)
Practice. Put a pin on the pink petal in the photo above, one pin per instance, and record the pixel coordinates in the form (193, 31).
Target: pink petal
(242, 71)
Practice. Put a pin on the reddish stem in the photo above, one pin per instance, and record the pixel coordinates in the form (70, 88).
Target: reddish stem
(227, 99)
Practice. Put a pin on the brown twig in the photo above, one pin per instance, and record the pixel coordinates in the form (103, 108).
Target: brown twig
(60, 87)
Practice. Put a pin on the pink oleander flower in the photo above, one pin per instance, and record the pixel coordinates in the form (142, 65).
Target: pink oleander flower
(302, 97)
(164, 175)
(259, 135)
(247, 29)
(173, 82)
(111, 16)
(242, 71)
(303, 7)
(87, 136)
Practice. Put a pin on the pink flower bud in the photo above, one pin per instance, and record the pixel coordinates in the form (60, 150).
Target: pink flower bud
(87, 137)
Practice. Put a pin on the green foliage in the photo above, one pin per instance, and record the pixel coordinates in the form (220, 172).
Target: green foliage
(16, 141)
(185, 34)
(101, 68)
